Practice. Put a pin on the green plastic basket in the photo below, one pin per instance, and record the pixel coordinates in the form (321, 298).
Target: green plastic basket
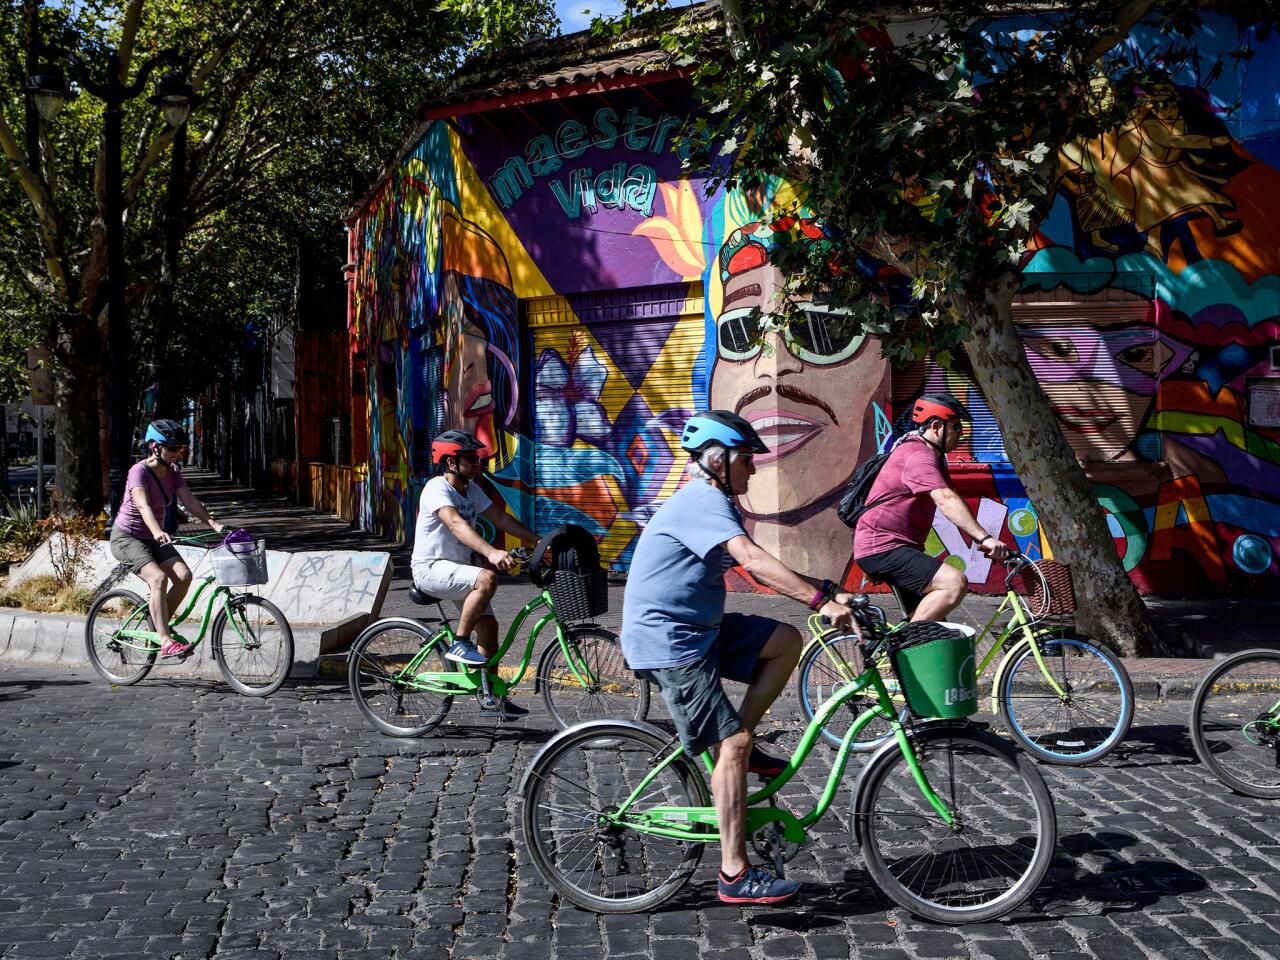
(936, 664)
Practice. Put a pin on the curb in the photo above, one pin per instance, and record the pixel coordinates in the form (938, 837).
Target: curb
(30, 637)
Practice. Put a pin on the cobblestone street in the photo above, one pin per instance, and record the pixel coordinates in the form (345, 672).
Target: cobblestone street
(177, 819)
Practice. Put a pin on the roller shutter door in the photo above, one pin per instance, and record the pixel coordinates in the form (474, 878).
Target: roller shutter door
(615, 375)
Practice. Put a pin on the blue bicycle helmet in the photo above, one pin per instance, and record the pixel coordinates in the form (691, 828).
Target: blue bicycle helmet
(723, 427)
(166, 431)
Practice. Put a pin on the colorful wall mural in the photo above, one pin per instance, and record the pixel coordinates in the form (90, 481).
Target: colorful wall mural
(546, 276)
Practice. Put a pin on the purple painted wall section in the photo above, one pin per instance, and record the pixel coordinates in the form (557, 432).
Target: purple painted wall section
(576, 177)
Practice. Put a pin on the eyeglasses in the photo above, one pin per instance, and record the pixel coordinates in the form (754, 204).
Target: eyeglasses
(818, 335)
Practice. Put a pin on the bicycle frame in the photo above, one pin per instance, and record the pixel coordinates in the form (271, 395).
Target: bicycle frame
(453, 683)
(150, 639)
(1019, 622)
(664, 821)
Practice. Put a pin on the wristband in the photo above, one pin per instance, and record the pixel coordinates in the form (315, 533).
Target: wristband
(818, 600)
(829, 589)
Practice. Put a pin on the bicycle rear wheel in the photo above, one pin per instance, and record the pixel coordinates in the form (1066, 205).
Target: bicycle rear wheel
(1235, 722)
(118, 660)
(823, 672)
(1085, 725)
(253, 645)
(391, 705)
(589, 771)
(1005, 835)
(614, 693)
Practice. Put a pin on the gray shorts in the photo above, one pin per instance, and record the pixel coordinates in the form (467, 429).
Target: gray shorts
(128, 549)
(699, 706)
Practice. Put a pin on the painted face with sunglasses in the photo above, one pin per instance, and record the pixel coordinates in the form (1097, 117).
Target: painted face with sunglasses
(806, 390)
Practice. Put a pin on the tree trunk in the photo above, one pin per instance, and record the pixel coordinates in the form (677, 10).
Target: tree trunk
(76, 375)
(1108, 605)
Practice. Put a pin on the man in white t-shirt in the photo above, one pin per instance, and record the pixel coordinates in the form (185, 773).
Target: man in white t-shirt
(445, 541)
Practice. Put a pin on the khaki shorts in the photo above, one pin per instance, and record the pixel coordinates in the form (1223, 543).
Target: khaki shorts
(128, 549)
(448, 580)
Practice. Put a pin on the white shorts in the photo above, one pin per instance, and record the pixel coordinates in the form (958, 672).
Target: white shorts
(448, 580)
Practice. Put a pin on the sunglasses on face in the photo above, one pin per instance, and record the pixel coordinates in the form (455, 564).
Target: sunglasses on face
(174, 447)
(469, 457)
(816, 335)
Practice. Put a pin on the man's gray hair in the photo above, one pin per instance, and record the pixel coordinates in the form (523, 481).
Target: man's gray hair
(712, 458)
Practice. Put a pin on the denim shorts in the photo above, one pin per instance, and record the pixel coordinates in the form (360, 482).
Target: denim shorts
(694, 695)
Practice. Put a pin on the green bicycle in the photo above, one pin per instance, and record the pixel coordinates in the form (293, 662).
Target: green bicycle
(1235, 722)
(955, 824)
(251, 639)
(404, 686)
(1067, 699)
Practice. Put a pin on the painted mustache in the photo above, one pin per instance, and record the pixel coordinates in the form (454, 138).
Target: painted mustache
(790, 393)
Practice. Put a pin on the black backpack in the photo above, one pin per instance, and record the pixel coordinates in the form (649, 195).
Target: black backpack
(854, 502)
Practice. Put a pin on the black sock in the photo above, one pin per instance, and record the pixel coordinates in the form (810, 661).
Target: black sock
(734, 879)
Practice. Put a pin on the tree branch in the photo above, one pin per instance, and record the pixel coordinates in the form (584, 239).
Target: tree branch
(45, 210)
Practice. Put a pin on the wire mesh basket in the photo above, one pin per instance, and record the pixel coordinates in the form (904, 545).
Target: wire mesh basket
(1045, 586)
(579, 596)
(240, 564)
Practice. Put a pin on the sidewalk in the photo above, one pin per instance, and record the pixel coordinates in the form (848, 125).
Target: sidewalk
(1203, 628)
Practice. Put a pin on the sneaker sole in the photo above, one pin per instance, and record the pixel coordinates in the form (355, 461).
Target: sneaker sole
(464, 662)
(758, 901)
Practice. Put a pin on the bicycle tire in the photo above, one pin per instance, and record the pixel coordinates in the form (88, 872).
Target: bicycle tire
(584, 772)
(618, 693)
(818, 679)
(1086, 727)
(974, 886)
(389, 706)
(1233, 723)
(107, 655)
(257, 655)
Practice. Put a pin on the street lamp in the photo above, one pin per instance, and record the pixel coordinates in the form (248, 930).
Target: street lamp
(49, 91)
(48, 88)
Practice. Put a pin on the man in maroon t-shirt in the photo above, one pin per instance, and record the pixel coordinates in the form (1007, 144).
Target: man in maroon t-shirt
(913, 483)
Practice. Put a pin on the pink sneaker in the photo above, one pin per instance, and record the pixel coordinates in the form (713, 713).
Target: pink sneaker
(176, 648)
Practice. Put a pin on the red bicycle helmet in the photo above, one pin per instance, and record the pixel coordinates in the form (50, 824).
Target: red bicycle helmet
(451, 443)
(939, 406)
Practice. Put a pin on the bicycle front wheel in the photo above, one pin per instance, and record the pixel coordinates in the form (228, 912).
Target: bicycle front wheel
(1235, 722)
(604, 688)
(253, 645)
(579, 778)
(117, 659)
(388, 701)
(1091, 716)
(992, 857)
(824, 672)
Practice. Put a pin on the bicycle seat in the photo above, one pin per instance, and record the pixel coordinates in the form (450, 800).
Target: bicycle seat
(420, 598)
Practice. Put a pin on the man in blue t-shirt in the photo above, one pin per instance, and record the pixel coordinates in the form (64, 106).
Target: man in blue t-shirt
(676, 634)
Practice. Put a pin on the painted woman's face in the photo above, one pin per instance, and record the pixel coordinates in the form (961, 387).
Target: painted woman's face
(469, 392)
(1101, 380)
(806, 392)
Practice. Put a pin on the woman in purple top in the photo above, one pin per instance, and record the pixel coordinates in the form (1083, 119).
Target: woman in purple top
(138, 537)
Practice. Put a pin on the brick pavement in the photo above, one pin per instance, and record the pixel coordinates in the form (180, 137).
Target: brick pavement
(176, 819)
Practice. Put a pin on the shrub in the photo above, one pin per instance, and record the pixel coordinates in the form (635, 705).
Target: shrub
(69, 552)
(20, 529)
(44, 594)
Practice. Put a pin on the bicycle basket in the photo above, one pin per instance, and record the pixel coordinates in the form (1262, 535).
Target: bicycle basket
(579, 596)
(240, 564)
(936, 665)
(1046, 588)
(566, 563)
